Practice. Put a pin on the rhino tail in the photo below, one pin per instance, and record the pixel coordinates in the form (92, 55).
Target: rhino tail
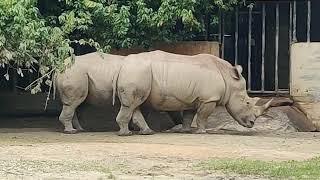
(54, 77)
(114, 86)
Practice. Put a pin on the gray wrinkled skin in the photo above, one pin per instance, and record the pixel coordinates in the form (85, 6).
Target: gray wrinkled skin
(92, 78)
(195, 84)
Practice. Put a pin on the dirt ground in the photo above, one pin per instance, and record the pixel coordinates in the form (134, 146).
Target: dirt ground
(42, 152)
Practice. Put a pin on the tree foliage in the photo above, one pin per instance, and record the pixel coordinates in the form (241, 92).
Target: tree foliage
(40, 33)
(26, 42)
(123, 24)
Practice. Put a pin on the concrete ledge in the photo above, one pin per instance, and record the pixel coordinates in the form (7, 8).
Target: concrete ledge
(184, 47)
(312, 112)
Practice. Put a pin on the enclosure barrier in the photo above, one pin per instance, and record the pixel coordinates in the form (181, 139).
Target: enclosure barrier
(292, 33)
(250, 10)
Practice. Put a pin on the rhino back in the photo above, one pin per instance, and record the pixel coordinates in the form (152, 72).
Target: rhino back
(99, 69)
(180, 82)
(102, 70)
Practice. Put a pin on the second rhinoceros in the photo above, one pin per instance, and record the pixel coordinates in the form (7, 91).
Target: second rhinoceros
(171, 82)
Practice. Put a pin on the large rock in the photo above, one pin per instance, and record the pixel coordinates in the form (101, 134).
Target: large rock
(275, 120)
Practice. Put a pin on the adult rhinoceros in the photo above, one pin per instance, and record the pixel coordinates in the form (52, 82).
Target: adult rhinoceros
(92, 78)
(171, 82)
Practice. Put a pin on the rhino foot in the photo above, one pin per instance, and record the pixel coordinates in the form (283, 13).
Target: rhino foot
(81, 130)
(200, 131)
(146, 132)
(70, 131)
(179, 129)
(124, 133)
(174, 129)
(185, 130)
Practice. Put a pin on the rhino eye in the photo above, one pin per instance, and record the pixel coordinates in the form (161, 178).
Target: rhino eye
(248, 103)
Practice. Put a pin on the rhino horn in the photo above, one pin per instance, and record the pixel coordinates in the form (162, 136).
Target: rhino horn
(262, 108)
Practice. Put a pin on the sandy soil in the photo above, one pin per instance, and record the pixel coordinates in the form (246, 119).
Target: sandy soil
(45, 153)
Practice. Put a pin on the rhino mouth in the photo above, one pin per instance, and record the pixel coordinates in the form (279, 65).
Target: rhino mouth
(247, 122)
(250, 124)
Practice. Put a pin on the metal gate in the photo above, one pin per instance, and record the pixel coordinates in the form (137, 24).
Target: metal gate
(258, 37)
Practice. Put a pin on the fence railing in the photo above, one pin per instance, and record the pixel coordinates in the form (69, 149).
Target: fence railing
(254, 16)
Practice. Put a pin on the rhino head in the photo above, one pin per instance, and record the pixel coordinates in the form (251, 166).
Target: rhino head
(240, 106)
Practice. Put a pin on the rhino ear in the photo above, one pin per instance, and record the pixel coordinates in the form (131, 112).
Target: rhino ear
(237, 70)
(259, 110)
(255, 100)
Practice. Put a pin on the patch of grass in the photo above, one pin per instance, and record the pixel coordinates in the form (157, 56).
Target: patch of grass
(309, 169)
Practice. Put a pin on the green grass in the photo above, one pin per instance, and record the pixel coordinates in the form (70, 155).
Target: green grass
(309, 169)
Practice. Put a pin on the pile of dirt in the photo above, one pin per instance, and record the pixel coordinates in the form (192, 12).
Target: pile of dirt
(276, 119)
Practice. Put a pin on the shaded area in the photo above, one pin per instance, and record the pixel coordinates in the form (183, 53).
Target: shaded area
(26, 111)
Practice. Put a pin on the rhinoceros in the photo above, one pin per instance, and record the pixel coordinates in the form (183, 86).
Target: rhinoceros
(91, 79)
(172, 82)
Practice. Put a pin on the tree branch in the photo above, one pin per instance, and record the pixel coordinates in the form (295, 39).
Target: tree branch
(35, 81)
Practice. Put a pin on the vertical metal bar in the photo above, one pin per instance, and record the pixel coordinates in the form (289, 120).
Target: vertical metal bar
(223, 37)
(290, 23)
(277, 50)
(220, 33)
(294, 22)
(290, 42)
(263, 44)
(309, 21)
(236, 36)
(249, 48)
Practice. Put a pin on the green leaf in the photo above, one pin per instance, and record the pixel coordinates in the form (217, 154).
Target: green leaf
(48, 82)
(82, 41)
(7, 76)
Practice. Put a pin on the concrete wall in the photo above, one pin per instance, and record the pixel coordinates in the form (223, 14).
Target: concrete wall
(305, 74)
(186, 48)
(305, 79)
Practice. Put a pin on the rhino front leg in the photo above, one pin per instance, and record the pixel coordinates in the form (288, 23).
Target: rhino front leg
(123, 119)
(139, 120)
(187, 120)
(66, 117)
(203, 113)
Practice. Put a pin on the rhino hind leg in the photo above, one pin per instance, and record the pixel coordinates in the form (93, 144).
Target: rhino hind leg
(76, 124)
(66, 117)
(71, 99)
(139, 120)
(203, 113)
(176, 117)
(131, 96)
(123, 119)
(73, 90)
